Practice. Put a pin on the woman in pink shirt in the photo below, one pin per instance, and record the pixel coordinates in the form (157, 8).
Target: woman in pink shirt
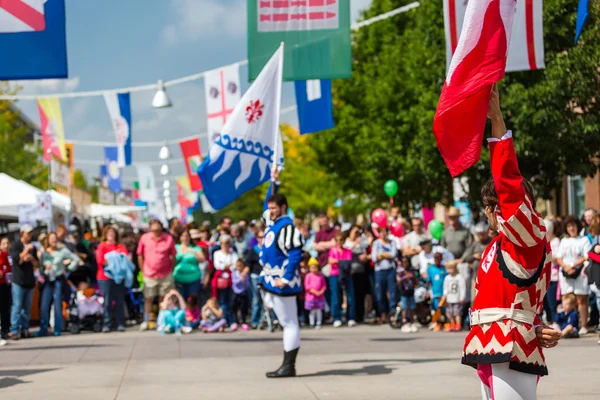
(111, 290)
(340, 260)
(314, 299)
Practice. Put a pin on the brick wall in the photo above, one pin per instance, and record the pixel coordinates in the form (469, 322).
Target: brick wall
(592, 192)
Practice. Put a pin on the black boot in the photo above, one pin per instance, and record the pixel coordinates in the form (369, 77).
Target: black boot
(288, 368)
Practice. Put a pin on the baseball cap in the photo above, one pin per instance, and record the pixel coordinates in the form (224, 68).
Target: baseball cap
(481, 227)
(26, 228)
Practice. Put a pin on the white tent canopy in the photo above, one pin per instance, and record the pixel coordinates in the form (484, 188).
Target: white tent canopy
(101, 210)
(17, 193)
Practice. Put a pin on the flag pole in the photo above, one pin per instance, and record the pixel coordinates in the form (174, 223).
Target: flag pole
(278, 102)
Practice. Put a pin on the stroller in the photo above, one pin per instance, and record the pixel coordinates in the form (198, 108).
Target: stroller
(134, 303)
(84, 311)
(422, 312)
(268, 319)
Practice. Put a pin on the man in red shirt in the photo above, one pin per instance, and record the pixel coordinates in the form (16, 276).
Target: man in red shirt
(156, 256)
(324, 239)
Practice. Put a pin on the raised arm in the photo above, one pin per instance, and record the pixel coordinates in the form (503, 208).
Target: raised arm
(517, 218)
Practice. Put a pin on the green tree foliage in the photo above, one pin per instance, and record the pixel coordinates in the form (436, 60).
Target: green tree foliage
(384, 113)
(19, 158)
(80, 180)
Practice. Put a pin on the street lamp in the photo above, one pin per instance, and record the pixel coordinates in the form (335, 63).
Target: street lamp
(164, 170)
(164, 153)
(161, 100)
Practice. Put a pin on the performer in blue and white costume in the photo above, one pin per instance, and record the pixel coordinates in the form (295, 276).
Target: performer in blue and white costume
(280, 257)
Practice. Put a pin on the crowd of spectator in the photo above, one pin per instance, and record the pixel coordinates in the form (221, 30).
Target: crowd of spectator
(188, 277)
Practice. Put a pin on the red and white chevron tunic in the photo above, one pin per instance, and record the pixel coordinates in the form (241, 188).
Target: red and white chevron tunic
(513, 276)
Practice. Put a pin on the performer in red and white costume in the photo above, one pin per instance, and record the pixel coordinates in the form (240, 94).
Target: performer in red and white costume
(506, 338)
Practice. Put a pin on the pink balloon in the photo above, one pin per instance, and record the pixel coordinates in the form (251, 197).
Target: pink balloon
(397, 229)
(379, 217)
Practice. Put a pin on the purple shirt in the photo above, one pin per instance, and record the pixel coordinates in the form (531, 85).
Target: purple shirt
(239, 285)
(324, 236)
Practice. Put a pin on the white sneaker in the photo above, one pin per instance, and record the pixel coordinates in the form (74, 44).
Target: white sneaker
(2, 342)
(414, 328)
(186, 329)
(337, 324)
(319, 327)
(583, 331)
(351, 323)
(405, 328)
(144, 326)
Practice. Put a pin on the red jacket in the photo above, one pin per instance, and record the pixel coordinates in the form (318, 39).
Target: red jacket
(5, 267)
(514, 274)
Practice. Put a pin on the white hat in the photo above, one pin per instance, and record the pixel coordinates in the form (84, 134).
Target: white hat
(26, 228)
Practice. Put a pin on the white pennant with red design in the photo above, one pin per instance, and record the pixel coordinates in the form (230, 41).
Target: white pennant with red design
(250, 143)
(22, 16)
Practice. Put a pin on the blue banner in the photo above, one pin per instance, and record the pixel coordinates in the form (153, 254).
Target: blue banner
(33, 40)
(315, 109)
(111, 156)
(119, 109)
(582, 14)
(103, 175)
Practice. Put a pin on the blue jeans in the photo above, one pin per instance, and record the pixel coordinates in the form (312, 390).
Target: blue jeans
(113, 292)
(336, 309)
(52, 291)
(257, 308)
(188, 289)
(224, 297)
(550, 303)
(385, 283)
(21, 309)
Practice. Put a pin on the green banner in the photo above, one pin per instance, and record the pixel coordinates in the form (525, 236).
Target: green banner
(316, 34)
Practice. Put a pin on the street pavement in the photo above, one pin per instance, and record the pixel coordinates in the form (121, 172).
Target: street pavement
(365, 362)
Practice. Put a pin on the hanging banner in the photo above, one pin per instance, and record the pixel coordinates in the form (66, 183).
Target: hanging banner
(59, 173)
(51, 125)
(526, 51)
(103, 176)
(147, 184)
(119, 109)
(70, 157)
(316, 34)
(222, 94)
(250, 142)
(33, 33)
(192, 157)
(136, 191)
(112, 167)
(185, 196)
(315, 109)
(582, 14)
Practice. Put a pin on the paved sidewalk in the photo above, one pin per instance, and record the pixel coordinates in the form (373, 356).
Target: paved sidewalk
(353, 364)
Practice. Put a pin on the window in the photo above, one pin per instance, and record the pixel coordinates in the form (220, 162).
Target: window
(576, 196)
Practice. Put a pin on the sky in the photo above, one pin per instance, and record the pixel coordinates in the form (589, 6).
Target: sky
(115, 43)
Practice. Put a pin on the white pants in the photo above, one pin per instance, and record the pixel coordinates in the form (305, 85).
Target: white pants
(499, 382)
(286, 309)
(315, 316)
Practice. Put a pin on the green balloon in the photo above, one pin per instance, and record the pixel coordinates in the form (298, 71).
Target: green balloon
(436, 229)
(390, 188)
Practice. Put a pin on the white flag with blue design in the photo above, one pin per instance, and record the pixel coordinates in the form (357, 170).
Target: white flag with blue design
(250, 143)
(119, 108)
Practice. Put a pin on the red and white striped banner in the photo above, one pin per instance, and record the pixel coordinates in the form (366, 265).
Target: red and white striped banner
(22, 16)
(526, 51)
(297, 15)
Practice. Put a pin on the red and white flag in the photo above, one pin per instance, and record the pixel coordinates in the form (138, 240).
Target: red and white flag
(478, 62)
(223, 92)
(192, 158)
(22, 16)
(526, 51)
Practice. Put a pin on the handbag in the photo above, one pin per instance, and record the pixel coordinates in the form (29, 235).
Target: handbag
(573, 275)
(223, 281)
(357, 267)
(345, 267)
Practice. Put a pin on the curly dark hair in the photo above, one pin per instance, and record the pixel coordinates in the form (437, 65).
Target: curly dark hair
(571, 219)
(490, 198)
